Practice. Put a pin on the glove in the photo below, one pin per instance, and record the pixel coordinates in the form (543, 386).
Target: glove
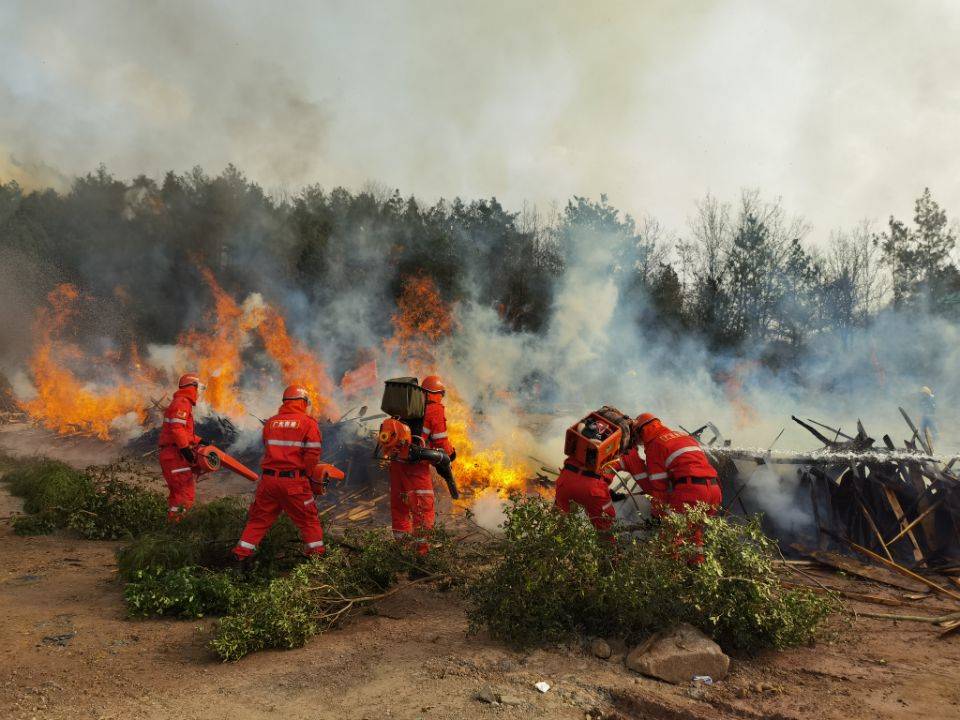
(453, 456)
(189, 454)
(617, 496)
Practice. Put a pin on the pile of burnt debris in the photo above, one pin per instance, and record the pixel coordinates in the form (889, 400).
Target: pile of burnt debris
(898, 506)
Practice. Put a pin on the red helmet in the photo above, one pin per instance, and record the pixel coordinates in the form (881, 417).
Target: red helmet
(190, 379)
(296, 392)
(433, 384)
(641, 421)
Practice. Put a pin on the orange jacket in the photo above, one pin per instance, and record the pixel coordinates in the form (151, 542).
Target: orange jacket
(672, 454)
(435, 427)
(291, 439)
(177, 428)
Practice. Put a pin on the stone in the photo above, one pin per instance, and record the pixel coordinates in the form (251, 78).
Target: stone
(487, 695)
(676, 655)
(601, 648)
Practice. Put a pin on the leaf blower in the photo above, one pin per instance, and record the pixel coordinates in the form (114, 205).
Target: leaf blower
(210, 459)
(398, 443)
(320, 476)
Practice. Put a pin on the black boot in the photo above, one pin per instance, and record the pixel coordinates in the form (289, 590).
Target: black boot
(240, 565)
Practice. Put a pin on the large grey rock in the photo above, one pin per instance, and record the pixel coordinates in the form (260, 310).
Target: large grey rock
(676, 655)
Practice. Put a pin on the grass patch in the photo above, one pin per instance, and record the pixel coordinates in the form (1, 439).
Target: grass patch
(57, 496)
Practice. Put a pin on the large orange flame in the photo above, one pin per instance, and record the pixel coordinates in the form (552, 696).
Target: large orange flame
(63, 402)
(297, 363)
(217, 351)
(422, 321)
(66, 404)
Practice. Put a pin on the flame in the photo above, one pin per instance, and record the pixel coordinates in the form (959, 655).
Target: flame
(66, 404)
(297, 363)
(217, 353)
(421, 322)
(63, 402)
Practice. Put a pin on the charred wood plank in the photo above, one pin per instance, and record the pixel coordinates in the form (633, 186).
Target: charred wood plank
(855, 567)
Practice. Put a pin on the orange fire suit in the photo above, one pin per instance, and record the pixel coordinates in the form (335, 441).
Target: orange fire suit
(657, 490)
(590, 491)
(292, 447)
(177, 433)
(677, 457)
(412, 502)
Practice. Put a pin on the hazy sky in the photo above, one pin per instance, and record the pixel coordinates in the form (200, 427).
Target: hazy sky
(845, 109)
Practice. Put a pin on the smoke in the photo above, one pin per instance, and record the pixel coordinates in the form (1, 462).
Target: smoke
(655, 102)
(489, 511)
(773, 490)
(835, 105)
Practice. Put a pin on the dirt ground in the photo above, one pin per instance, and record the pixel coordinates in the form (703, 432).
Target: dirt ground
(67, 650)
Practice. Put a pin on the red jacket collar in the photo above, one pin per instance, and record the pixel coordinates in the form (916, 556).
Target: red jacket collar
(190, 393)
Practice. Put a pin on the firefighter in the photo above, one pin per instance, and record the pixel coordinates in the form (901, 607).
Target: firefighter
(656, 490)
(412, 504)
(178, 448)
(676, 458)
(589, 490)
(292, 447)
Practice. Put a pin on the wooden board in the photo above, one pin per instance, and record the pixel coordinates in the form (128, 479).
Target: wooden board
(869, 572)
(903, 522)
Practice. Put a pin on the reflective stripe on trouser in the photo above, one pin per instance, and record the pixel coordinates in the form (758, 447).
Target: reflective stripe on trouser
(412, 508)
(275, 495)
(592, 494)
(181, 483)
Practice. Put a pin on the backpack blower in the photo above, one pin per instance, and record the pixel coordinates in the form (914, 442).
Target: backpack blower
(398, 443)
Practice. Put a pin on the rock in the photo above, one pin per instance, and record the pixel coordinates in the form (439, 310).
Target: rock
(601, 648)
(678, 654)
(510, 700)
(487, 695)
(61, 640)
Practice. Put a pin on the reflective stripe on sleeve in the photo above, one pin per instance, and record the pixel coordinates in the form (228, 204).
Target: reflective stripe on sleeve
(312, 444)
(677, 453)
(307, 502)
(318, 543)
(640, 476)
(426, 432)
(247, 546)
(180, 470)
(423, 492)
(175, 421)
(658, 476)
(439, 436)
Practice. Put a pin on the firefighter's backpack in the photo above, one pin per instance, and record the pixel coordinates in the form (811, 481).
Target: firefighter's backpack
(598, 438)
(404, 398)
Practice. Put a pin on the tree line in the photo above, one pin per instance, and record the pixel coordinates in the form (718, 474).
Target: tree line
(743, 275)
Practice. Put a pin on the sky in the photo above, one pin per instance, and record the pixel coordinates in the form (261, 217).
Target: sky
(845, 110)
